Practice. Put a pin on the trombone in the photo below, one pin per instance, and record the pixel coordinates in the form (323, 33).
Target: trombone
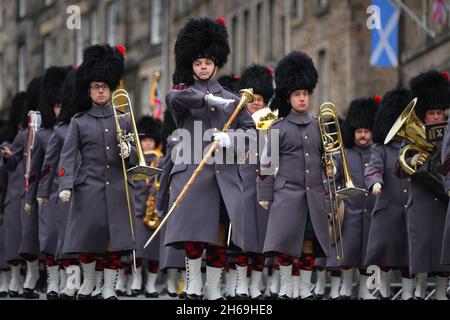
(122, 108)
(333, 145)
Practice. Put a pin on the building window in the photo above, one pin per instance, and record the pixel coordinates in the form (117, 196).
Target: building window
(94, 27)
(79, 41)
(22, 68)
(2, 12)
(145, 96)
(234, 43)
(22, 8)
(246, 33)
(323, 86)
(111, 20)
(298, 9)
(272, 23)
(321, 7)
(259, 30)
(48, 51)
(1, 79)
(155, 21)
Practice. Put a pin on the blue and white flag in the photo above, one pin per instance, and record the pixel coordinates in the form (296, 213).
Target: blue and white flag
(384, 53)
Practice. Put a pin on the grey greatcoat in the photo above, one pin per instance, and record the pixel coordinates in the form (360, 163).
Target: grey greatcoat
(446, 168)
(14, 189)
(169, 257)
(29, 223)
(255, 216)
(142, 191)
(356, 224)
(297, 190)
(388, 237)
(197, 217)
(56, 212)
(48, 236)
(425, 218)
(98, 210)
(3, 186)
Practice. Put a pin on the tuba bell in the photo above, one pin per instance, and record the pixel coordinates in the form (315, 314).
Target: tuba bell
(333, 145)
(263, 118)
(410, 128)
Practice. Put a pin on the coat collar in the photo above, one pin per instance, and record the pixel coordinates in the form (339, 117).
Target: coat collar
(212, 86)
(299, 118)
(362, 150)
(101, 112)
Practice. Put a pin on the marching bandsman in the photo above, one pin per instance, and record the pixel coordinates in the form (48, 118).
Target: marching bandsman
(171, 260)
(446, 173)
(427, 208)
(53, 212)
(387, 245)
(11, 190)
(215, 198)
(298, 224)
(145, 201)
(14, 161)
(49, 106)
(98, 222)
(255, 217)
(357, 135)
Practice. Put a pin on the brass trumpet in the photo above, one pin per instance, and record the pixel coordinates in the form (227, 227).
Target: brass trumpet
(333, 145)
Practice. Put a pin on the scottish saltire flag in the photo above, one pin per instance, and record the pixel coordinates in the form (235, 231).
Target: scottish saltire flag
(156, 100)
(439, 12)
(384, 53)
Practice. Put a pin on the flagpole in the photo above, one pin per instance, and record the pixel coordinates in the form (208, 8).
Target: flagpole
(411, 14)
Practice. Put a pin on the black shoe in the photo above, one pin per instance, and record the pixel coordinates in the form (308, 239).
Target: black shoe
(193, 297)
(172, 294)
(14, 295)
(66, 297)
(83, 297)
(182, 296)
(136, 293)
(112, 298)
(241, 297)
(30, 294)
(52, 296)
(3, 294)
(284, 297)
(311, 297)
(319, 297)
(344, 298)
(121, 293)
(151, 295)
(260, 297)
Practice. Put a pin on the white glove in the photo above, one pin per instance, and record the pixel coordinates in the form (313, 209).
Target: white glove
(65, 195)
(28, 208)
(376, 190)
(223, 139)
(418, 159)
(212, 99)
(42, 202)
(125, 149)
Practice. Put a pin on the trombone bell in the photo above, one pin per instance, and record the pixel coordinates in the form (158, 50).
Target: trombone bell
(122, 108)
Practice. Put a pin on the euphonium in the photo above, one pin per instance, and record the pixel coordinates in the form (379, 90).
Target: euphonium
(410, 128)
(333, 145)
(151, 218)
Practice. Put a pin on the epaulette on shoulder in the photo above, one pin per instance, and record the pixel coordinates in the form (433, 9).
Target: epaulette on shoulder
(230, 91)
(79, 114)
(180, 87)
